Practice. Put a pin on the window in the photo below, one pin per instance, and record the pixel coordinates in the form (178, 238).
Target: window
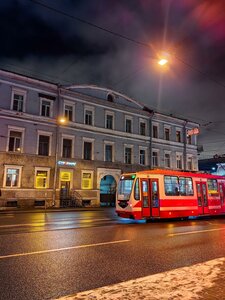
(18, 100)
(110, 97)
(189, 163)
(42, 178)
(178, 136)
(128, 152)
(15, 141)
(43, 146)
(87, 180)
(175, 186)
(167, 134)
(167, 160)
(137, 190)
(179, 161)
(155, 158)
(67, 148)
(108, 153)
(155, 131)
(212, 186)
(189, 140)
(142, 157)
(12, 176)
(128, 125)
(142, 128)
(46, 108)
(109, 121)
(89, 115)
(87, 154)
(171, 185)
(125, 187)
(68, 112)
(186, 186)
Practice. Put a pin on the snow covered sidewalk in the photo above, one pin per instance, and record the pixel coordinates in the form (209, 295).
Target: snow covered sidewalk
(194, 282)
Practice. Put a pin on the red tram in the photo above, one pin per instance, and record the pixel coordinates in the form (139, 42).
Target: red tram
(169, 194)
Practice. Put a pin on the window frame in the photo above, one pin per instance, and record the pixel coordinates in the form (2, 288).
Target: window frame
(169, 160)
(108, 143)
(130, 119)
(16, 167)
(72, 105)
(131, 154)
(88, 140)
(42, 99)
(145, 156)
(45, 133)
(92, 110)
(155, 131)
(16, 129)
(20, 92)
(36, 169)
(109, 113)
(142, 121)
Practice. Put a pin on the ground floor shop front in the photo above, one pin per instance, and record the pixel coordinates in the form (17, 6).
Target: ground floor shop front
(31, 181)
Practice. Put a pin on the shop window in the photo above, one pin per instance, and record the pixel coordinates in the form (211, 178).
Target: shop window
(41, 178)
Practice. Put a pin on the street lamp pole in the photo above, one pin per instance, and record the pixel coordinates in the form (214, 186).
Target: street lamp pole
(56, 146)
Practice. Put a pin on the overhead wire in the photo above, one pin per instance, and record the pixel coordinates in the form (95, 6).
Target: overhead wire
(118, 35)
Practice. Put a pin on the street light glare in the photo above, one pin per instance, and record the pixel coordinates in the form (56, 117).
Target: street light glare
(62, 120)
(162, 61)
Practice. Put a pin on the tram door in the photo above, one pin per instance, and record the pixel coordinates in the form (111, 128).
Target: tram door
(222, 195)
(150, 197)
(202, 197)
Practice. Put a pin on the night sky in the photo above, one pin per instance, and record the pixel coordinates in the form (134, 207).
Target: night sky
(116, 44)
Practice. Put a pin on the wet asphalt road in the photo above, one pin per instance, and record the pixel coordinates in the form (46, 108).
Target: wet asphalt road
(53, 254)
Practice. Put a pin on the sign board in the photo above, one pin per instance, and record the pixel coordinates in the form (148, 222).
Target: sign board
(193, 131)
(65, 176)
(66, 163)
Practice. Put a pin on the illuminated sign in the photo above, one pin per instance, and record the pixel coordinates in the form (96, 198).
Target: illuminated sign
(65, 176)
(66, 163)
(193, 131)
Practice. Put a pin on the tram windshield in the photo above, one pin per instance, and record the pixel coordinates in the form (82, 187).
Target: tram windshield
(125, 187)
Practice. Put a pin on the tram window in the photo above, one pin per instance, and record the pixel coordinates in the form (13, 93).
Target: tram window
(186, 186)
(212, 185)
(137, 190)
(204, 193)
(155, 194)
(171, 185)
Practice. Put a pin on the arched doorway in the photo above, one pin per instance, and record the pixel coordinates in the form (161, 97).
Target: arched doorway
(107, 191)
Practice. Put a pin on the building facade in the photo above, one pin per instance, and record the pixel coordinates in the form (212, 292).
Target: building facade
(62, 145)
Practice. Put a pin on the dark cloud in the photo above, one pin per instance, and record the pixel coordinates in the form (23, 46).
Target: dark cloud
(54, 45)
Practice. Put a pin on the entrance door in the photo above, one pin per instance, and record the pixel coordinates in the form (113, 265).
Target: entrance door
(145, 196)
(202, 197)
(154, 197)
(150, 197)
(64, 190)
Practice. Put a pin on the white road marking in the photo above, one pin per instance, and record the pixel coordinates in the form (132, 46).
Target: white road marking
(184, 283)
(62, 249)
(43, 223)
(195, 232)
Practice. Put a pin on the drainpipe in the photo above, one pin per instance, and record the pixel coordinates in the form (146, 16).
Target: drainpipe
(150, 135)
(185, 144)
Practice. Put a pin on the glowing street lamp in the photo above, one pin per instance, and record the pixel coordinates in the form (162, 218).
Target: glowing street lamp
(162, 61)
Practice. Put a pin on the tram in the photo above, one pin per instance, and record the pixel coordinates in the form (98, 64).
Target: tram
(165, 194)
